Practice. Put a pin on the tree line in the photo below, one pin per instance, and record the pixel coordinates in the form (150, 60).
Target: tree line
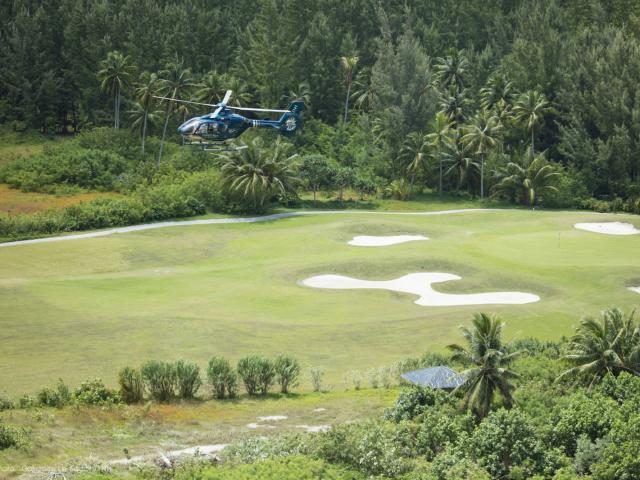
(517, 99)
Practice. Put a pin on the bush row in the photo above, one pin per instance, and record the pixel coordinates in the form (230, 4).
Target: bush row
(164, 381)
(194, 194)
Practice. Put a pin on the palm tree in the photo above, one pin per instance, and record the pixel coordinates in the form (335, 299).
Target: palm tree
(146, 89)
(454, 104)
(257, 173)
(458, 162)
(363, 93)
(529, 111)
(450, 70)
(141, 119)
(414, 153)
(241, 95)
(348, 65)
(301, 92)
(488, 361)
(498, 89)
(176, 82)
(115, 76)
(211, 88)
(527, 179)
(611, 345)
(481, 136)
(440, 132)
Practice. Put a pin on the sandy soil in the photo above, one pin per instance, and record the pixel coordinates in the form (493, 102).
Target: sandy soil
(609, 228)
(420, 284)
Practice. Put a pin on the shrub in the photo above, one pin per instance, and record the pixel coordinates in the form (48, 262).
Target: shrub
(187, 378)
(355, 378)
(222, 377)
(55, 397)
(257, 373)
(441, 428)
(374, 378)
(413, 401)
(371, 447)
(255, 449)
(316, 374)
(620, 459)
(249, 372)
(11, 436)
(266, 374)
(287, 371)
(284, 468)
(506, 439)
(580, 414)
(5, 403)
(26, 401)
(93, 392)
(131, 385)
(159, 379)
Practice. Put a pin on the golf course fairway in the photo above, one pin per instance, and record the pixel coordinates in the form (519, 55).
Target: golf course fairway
(86, 308)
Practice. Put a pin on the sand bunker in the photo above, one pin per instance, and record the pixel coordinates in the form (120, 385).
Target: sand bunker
(420, 284)
(253, 426)
(635, 289)
(383, 241)
(609, 228)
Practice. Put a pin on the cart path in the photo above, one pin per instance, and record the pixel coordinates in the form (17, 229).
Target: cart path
(222, 221)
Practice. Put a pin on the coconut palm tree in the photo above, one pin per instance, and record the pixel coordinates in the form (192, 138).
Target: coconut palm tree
(488, 372)
(414, 154)
(363, 93)
(482, 136)
(611, 345)
(348, 65)
(211, 88)
(458, 162)
(450, 70)
(527, 179)
(301, 92)
(176, 83)
(441, 129)
(115, 77)
(241, 95)
(498, 89)
(529, 110)
(454, 104)
(145, 90)
(141, 119)
(257, 173)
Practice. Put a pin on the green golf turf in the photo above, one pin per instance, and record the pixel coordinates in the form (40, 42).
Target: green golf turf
(85, 308)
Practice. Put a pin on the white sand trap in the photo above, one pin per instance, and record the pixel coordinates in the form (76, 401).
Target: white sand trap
(383, 241)
(273, 418)
(635, 289)
(321, 409)
(420, 284)
(609, 228)
(314, 428)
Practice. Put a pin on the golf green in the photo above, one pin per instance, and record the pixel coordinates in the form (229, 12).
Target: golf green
(85, 308)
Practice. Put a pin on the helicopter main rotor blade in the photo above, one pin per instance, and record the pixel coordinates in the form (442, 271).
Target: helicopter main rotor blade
(227, 97)
(216, 112)
(258, 109)
(186, 101)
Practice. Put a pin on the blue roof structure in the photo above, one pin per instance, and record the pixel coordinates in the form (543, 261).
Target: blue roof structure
(434, 377)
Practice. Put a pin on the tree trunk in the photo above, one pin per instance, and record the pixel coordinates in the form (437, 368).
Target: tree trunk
(482, 176)
(164, 133)
(440, 188)
(532, 144)
(115, 111)
(314, 197)
(346, 102)
(144, 130)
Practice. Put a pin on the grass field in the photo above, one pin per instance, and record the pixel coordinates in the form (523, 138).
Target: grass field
(60, 436)
(86, 308)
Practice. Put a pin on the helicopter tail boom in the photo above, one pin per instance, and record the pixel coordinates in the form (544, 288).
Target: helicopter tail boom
(287, 124)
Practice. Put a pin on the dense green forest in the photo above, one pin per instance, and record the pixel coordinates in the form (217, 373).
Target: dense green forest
(533, 102)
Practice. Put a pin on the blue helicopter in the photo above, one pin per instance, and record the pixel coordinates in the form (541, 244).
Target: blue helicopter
(224, 124)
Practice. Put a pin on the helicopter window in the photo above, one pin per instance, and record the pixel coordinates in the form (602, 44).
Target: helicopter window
(202, 128)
